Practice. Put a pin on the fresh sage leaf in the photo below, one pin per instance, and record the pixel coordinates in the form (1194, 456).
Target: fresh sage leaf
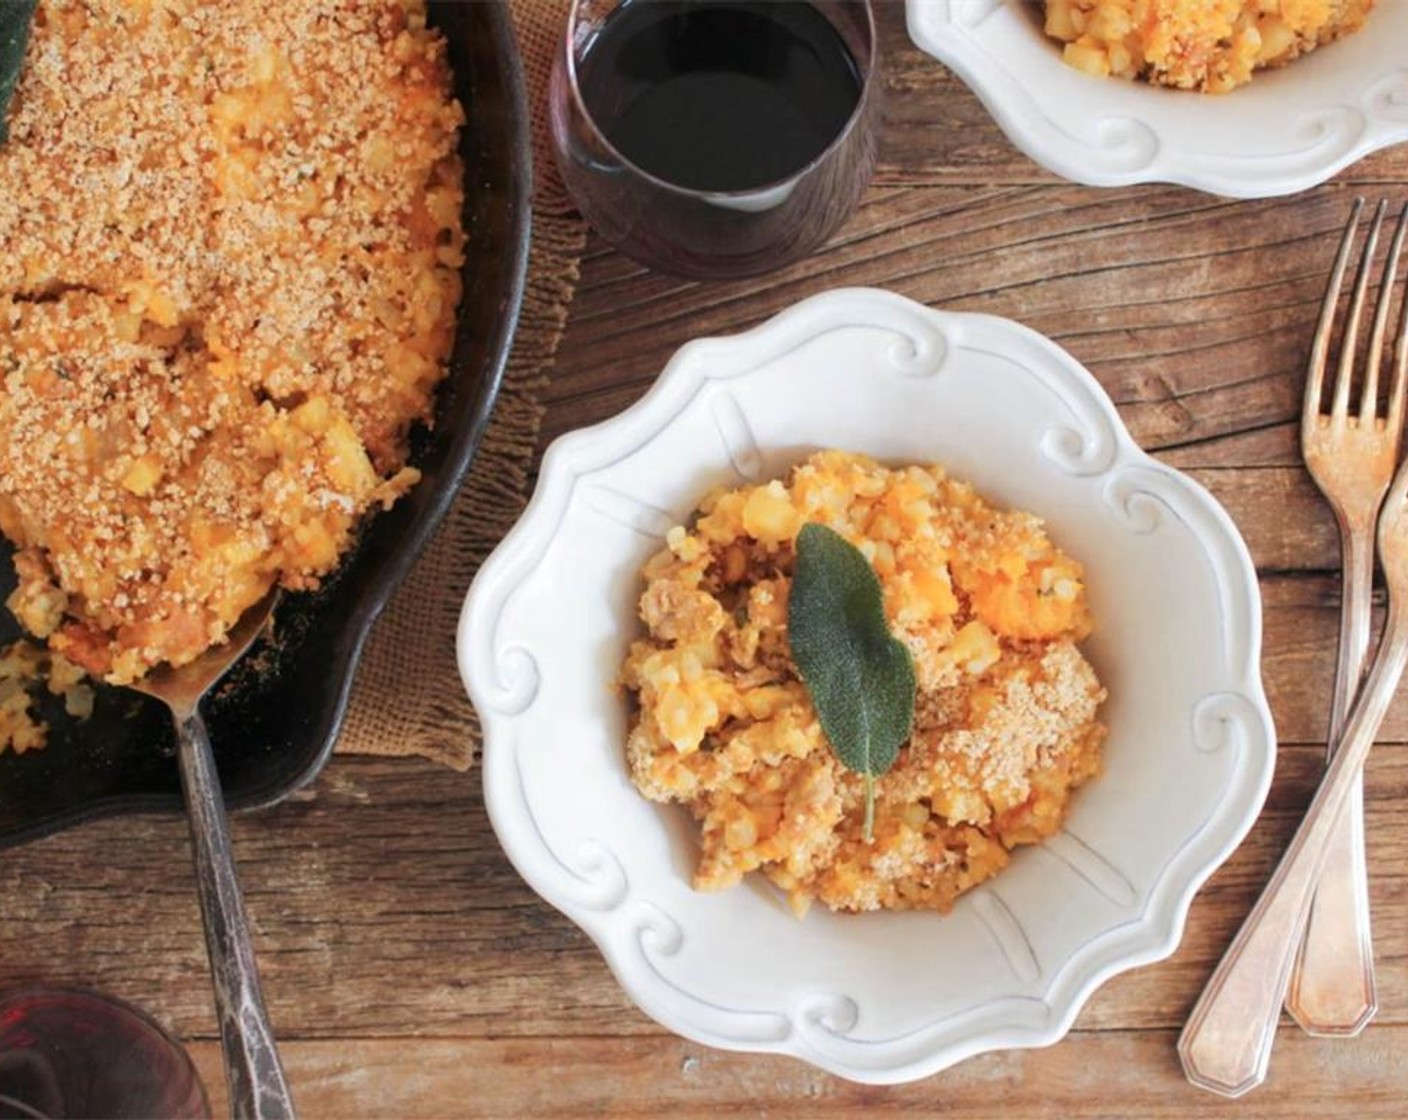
(16, 17)
(860, 677)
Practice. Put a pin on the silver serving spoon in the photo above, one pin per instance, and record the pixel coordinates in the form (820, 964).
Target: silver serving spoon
(258, 1089)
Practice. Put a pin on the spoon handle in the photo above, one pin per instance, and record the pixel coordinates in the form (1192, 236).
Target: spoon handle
(258, 1089)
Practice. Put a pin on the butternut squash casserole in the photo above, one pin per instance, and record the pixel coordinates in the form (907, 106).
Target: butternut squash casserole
(230, 246)
(1208, 45)
(1005, 720)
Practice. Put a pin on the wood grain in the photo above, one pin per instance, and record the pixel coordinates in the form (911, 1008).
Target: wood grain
(646, 1078)
(433, 932)
(1196, 314)
(411, 972)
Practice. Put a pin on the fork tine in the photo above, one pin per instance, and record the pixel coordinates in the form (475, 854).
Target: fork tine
(1400, 361)
(1369, 403)
(1350, 343)
(1320, 348)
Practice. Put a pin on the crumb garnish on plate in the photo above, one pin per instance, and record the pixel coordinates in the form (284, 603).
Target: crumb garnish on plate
(1209, 45)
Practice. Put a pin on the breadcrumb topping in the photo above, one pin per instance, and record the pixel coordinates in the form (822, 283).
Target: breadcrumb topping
(230, 251)
(1208, 45)
(1005, 717)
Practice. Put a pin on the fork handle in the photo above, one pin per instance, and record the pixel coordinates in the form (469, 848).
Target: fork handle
(1332, 986)
(258, 1088)
(1226, 1045)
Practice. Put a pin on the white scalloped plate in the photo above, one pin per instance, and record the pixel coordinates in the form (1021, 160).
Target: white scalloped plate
(892, 996)
(1286, 131)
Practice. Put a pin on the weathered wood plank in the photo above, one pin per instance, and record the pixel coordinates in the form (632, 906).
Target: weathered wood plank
(1286, 523)
(1275, 445)
(1085, 1077)
(1195, 313)
(382, 905)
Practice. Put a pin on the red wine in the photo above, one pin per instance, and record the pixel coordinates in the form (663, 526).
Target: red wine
(75, 1054)
(715, 95)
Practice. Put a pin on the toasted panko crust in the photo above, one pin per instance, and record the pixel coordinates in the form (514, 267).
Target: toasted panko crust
(231, 244)
(1208, 45)
(1005, 721)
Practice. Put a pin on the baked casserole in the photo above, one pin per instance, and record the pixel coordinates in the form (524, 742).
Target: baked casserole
(1208, 45)
(1005, 723)
(230, 251)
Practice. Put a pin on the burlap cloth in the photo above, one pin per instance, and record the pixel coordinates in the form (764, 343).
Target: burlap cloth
(408, 699)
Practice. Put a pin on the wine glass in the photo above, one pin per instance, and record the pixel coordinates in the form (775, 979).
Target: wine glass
(758, 215)
(65, 1052)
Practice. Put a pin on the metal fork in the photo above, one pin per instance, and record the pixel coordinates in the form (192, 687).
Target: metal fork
(1351, 458)
(1226, 1045)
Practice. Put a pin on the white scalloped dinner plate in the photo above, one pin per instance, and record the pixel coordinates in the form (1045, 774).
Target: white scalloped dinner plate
(1288, 130)
(882, 997)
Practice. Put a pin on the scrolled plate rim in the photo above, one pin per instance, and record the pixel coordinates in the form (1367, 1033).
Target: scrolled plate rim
(1287, 131)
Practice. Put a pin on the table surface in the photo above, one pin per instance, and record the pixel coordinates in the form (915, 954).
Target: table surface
(409, 971)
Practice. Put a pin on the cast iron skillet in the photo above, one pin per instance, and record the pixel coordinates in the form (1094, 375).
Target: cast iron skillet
(274, 724)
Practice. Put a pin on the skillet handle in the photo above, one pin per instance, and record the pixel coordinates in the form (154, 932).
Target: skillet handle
(258, 1089)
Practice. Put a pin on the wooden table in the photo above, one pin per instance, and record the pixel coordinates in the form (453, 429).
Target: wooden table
(409, 970)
